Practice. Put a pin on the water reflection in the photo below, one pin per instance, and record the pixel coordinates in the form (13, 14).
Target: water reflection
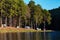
(30, 36)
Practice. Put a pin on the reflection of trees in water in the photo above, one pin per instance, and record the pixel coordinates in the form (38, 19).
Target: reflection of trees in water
(22, 35)
(26, 36)
(5, 38)
(1, 36)
(38, 36)
(18, 36)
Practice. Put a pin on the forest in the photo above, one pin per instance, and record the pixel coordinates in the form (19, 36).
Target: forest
(55, 22)
(15, 13)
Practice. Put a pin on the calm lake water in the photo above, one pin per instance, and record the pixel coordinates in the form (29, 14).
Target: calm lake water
(30, 36)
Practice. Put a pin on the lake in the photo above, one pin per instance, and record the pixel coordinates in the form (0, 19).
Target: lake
(30, 36)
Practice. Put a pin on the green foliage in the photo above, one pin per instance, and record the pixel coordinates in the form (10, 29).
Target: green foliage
(38, 14)
(17, 8)
(47, 16)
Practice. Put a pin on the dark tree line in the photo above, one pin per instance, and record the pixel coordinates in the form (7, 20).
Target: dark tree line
(17, 13)
(55, 13)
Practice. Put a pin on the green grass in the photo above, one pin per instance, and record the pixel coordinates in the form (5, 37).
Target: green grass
(4, 31)
(45, 31)
(12, 29)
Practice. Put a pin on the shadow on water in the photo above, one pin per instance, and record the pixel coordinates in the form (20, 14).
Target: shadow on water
(30, 36)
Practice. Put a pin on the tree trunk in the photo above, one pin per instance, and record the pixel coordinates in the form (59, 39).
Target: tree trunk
(14, 21)
(31, 25)
(0, 22)
(36, 25)
(29, 22)
(1, 15)
(6, 20)
(25, 22)
(44, 25)
(10, 22)
(1, 19)
(19, 22)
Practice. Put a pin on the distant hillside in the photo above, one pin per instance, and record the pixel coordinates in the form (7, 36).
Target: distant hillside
(55, 13)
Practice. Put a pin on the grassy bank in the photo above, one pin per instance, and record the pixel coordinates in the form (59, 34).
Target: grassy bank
(13, 29)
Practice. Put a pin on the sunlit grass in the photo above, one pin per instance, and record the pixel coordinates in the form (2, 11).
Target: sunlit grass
(13, 29)
(45, 31)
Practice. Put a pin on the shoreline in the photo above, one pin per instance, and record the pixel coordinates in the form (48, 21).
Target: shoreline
(13, 29)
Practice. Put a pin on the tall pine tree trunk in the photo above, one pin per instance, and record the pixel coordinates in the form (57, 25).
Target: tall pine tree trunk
(6, 20)
(36, 25)
(25, 23)
(1, 20)
(1, 15)
(29, 22)
(44, 25)
(14, 21)
(10, 22)
(31, 25)
(19, 22)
